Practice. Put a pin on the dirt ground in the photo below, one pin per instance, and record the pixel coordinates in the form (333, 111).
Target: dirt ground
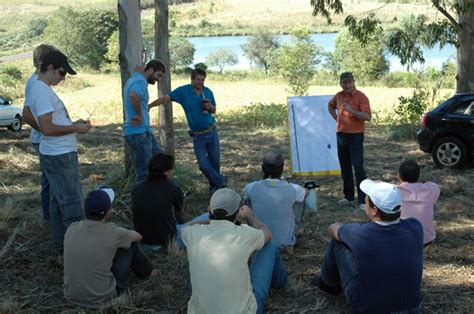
(30, 284)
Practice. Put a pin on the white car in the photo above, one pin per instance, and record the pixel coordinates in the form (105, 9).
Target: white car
(10, 116)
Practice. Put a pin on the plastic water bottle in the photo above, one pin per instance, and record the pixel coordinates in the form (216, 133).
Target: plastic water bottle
(311, 201)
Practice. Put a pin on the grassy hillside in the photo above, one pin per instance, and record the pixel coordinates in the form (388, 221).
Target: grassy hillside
(202, 18)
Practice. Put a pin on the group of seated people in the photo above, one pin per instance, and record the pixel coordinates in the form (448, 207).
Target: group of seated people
(234, 248)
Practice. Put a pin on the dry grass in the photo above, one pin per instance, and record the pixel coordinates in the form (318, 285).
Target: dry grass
(30, 284)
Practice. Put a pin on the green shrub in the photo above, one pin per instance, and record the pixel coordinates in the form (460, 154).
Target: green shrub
(36, 27)
(408, 113)
(11, 71)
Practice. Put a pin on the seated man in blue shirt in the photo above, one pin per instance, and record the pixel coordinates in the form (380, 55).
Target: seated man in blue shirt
(199, 106)
(378, 265)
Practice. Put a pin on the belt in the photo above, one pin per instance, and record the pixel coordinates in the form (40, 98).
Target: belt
(204, 131)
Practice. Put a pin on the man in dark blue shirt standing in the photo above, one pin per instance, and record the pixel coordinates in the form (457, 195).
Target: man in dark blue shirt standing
(199, 106)
(378, 265)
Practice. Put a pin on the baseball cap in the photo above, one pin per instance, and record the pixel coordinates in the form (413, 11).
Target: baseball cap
(345, 76)
(385, 196)
(226, 199)
(59, 59)
(273, 158)
(100, 201)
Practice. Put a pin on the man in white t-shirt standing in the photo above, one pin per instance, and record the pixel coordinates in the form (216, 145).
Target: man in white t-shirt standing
(58, 148)
(35, 135)
(218, 253)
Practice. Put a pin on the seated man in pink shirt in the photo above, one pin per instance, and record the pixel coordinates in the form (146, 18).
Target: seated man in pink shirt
(419, 199)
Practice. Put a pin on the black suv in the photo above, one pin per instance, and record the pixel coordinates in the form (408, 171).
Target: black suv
(447, 132)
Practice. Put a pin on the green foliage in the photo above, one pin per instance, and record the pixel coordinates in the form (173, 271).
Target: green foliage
(148, 40)
(11, 82)
(258, 114)
(221, 58)
(113, 51)
(367, 62)
(201, 65)
(181, 53)
(11, 71)
(36, 27)
(259, 48)
(296, 62)
(82, 36)
(405, 41)
(363, 29)
(407, 115)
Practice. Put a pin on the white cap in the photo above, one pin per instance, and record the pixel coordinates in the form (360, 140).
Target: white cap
(385, 196)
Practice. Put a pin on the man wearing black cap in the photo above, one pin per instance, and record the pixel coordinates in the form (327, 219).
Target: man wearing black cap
(378, 265)
(218, 254)
(98, 254)
(350, 108)
(273, 201)
(58, 147)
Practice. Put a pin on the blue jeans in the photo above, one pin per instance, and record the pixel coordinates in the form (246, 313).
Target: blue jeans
(340, 269)
(142, 148)
(44, 188)
(131, 258)
(267, 270)
(65, 194)
(350, 150)
(207, 150)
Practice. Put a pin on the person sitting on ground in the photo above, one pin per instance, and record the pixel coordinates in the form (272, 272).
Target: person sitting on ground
(218, 254)
(276, 202)
(378, 265)
(98, 254)
(419, 199)
(153, 201)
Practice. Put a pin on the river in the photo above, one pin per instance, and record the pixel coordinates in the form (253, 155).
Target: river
(433, 57)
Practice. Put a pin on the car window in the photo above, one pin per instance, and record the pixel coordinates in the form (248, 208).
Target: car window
(465, 107)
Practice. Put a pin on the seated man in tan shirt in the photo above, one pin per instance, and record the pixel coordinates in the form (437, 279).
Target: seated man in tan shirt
(98, 254)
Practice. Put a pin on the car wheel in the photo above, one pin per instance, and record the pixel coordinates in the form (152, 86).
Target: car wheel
(16, 124)
(449, 152)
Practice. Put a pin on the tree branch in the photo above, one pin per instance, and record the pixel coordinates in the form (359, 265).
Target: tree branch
(446, 14)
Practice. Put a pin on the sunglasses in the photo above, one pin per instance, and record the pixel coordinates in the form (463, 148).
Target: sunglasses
(62, 72)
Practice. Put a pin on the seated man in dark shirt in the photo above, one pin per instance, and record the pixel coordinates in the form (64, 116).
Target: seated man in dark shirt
(153, 201)
(378, 265)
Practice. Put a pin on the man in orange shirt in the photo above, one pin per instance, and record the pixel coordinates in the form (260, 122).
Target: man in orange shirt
(350, 108)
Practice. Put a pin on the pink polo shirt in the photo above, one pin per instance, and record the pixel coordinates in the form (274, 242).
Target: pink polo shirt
(418, 202)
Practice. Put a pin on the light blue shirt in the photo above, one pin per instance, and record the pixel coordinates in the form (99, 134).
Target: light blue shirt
(192, 105)
(138, 85)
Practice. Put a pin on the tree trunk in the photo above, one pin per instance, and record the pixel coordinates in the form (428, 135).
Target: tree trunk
(465, 53)
(165, 112)
(130, 57)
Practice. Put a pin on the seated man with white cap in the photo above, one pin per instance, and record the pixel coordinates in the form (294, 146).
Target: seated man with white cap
(378, 265)
(99, 254)
(218, 253)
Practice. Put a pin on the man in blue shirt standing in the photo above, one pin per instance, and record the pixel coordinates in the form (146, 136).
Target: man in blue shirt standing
(199, 106)
(378, 265)
(136, 130)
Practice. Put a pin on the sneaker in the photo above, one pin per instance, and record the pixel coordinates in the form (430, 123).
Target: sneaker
(318, 282)
(362, 206)
(345, 201)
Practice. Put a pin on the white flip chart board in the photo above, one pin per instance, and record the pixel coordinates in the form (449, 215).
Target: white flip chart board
(312, 137)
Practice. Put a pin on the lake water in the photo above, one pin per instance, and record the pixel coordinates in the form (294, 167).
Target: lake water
(433, 57)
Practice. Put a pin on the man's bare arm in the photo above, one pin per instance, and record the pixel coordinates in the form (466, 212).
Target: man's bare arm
(332, 230)
(358, 114)
(332, 111)
(246, 213)
(48, 128)
(160, 101)
(28, 117)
